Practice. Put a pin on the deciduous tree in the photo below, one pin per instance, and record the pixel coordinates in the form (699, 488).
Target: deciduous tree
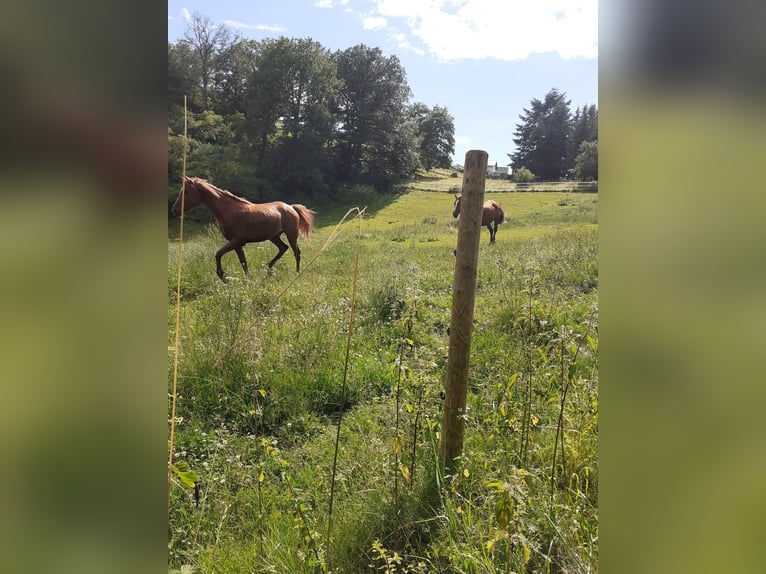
(235, 66)
(289, 115)
(207, 41)
(371, 116)
(436, 135)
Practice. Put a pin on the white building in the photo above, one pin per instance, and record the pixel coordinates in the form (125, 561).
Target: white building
(493, 170)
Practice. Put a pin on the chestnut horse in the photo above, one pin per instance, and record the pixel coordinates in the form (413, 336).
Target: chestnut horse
(244, 222)
(491, 214)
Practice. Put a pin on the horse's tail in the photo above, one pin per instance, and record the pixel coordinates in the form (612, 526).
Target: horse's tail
(499, 212)
(305, 219)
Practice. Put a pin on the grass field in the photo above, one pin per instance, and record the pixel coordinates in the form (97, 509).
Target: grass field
(261, 389)
(441, 180)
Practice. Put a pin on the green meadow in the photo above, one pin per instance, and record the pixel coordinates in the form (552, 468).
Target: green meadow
(267, 369)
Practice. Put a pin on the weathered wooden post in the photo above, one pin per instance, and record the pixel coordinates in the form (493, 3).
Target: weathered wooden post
(463, 297)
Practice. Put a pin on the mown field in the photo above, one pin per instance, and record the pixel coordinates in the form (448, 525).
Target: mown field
(261, 389)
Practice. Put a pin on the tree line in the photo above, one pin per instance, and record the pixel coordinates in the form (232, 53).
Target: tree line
(287, 118)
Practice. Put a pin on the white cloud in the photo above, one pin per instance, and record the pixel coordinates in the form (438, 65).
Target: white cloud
(266, 27)
(502, 29)
(405, 44)
(186, 15)
(330, 3)
(371, 23)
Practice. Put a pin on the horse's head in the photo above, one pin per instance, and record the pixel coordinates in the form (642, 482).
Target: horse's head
(191, 196)
(456, 209)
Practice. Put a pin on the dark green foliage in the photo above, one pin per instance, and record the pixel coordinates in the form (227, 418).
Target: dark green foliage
(542, 137)
(584, 129)
(288, 116)
(548, 139)
(181, 75)
(586, 162)
(375, 141)
(436, 132)
(285, 118)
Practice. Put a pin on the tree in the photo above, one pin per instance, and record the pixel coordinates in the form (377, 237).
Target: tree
(285, 117)
(399, 157)
(371, 127)
(542, 137)
(291, 89)
(584, 129)
(436, 135)
(289, 115)
(207, 42)
(235, 67)
(181, 75)
(586, 163)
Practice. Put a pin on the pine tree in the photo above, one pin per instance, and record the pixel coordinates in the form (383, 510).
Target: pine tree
(542, 137)
(584, 129)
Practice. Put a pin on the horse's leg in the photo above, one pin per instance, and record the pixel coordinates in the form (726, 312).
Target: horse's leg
(491, 235)
(230, 246)
(241, 254)
(282, 246)
(293, 239)
(494, 230)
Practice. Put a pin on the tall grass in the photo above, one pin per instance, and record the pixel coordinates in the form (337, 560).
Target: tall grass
(252, 361)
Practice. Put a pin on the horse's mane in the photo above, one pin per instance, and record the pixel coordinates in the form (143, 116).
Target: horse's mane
(223, 192)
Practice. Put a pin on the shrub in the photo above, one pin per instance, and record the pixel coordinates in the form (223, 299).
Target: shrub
(523, 175)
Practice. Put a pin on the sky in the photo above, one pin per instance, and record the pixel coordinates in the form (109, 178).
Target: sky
(484, 60)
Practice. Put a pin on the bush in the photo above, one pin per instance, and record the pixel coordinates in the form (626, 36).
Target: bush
(523, 175)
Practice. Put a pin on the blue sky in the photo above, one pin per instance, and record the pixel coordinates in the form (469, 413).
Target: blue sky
(484, 60)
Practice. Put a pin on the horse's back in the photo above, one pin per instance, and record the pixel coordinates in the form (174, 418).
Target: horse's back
(256, 222)
(271, 211)
(491, 212)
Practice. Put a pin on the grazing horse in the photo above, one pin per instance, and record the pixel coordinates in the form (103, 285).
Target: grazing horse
(491, 214)
(244, 222)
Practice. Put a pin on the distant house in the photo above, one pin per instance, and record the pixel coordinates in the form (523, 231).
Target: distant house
(493, 170)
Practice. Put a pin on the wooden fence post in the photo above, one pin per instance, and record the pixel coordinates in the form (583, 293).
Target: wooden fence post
(463, 297)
